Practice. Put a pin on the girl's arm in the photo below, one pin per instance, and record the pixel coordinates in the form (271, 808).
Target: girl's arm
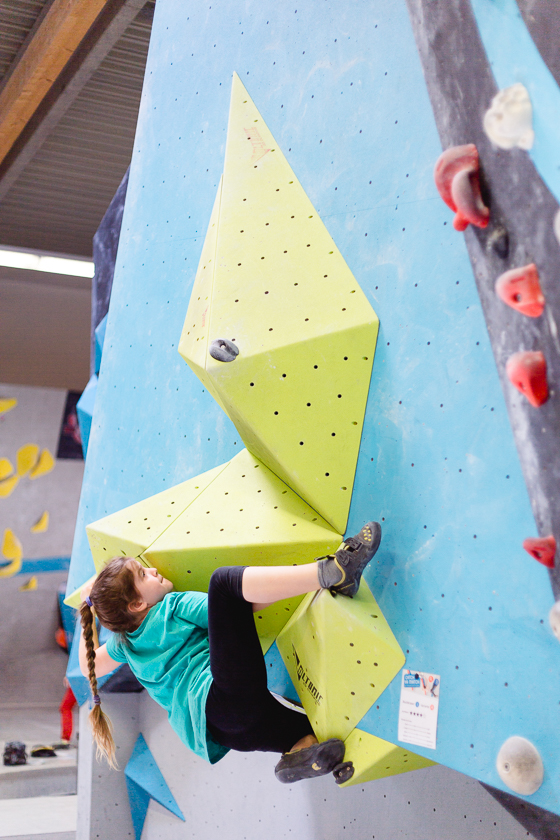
(103, 662)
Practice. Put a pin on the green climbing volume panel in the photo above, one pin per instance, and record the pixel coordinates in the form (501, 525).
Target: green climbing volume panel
(130, 531)
(302, 331)
(341, 655)
(247, 516)
(373, 758)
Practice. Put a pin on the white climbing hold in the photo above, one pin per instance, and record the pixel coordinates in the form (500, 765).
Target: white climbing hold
(554, 618)
(556, 225)
(520, 766)
(509, 120)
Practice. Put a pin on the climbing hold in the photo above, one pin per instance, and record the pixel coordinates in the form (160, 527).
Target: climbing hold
(30, 586)
(6, 404)
(223, 350)
(509, 120)
(456, 177)
(42, 523)
(11, 550)
(527, 371)
(556, 225)
(554, 619)
(44, 465)
(520, 289)
(542, 549)
(8, 485)
(343, 772)
(6, 468)
(498, 241)
(520, 766)
(27, 457)
(11, 546)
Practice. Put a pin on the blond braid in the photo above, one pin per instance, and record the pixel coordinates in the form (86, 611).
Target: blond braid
(100, 724)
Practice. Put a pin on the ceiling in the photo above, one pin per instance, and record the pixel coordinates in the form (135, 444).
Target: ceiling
(61, 171)
(71, 74)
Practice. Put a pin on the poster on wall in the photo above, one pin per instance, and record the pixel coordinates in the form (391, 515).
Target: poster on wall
(418, 710)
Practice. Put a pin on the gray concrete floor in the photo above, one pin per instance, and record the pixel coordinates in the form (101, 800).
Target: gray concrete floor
(42, 817)
(40, 777)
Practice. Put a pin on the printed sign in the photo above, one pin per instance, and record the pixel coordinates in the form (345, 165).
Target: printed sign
(418, 710)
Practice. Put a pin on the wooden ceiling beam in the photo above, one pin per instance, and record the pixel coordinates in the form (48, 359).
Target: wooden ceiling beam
(67, 47)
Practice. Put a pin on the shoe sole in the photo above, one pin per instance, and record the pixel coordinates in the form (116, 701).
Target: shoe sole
(353, 585)
(318, 760)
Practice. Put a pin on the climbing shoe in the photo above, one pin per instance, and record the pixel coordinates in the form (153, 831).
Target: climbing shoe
(43, 751)
(317, 760)
(14, 753)
(342, 571)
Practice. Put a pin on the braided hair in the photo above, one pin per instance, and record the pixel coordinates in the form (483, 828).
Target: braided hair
(112, 592)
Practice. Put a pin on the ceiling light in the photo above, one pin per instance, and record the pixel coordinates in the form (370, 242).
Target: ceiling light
(34, 261)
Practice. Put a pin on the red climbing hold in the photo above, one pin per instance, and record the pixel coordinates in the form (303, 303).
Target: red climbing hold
(527, 371)
(542, 549)
(456, 177)
(520, 289)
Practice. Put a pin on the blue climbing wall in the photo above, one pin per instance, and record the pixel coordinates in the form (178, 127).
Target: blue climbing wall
(340, 85)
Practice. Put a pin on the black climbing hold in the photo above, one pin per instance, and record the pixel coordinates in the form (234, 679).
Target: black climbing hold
(343, 772)
(499, 241)
(223, 350)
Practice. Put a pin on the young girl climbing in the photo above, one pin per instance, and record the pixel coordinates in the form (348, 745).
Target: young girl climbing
(199, 655)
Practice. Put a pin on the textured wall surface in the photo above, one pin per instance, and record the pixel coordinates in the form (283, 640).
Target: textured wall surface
(341, 88)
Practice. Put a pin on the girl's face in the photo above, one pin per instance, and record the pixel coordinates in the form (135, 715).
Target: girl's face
(152, 587)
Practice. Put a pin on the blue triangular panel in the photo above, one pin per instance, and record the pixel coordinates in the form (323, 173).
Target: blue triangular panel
(85, 408)
(143, 772)
(99, 339)
(139, 801)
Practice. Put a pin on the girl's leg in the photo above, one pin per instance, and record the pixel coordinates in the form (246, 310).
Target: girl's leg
(267, 584)
(241, 713)
(240, 710)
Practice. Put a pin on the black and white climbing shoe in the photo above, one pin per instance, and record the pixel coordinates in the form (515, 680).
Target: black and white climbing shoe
(342, 571)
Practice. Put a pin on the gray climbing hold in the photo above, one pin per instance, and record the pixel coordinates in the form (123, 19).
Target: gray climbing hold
(520, 766)
(223, 350)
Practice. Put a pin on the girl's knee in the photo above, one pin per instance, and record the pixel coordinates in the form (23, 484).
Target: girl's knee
(227, 580)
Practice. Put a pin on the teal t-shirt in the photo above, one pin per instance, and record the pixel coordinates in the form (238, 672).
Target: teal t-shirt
(169, 654)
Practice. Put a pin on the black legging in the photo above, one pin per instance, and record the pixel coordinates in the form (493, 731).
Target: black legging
(241, 713)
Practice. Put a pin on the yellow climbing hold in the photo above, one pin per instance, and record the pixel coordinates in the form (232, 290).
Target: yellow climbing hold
(6, 404)
(42, 524)
(6, 468)
(7, 486)
(11, 550)
(44, 465)
(27, 457)
(11, 546)
(30, 586)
